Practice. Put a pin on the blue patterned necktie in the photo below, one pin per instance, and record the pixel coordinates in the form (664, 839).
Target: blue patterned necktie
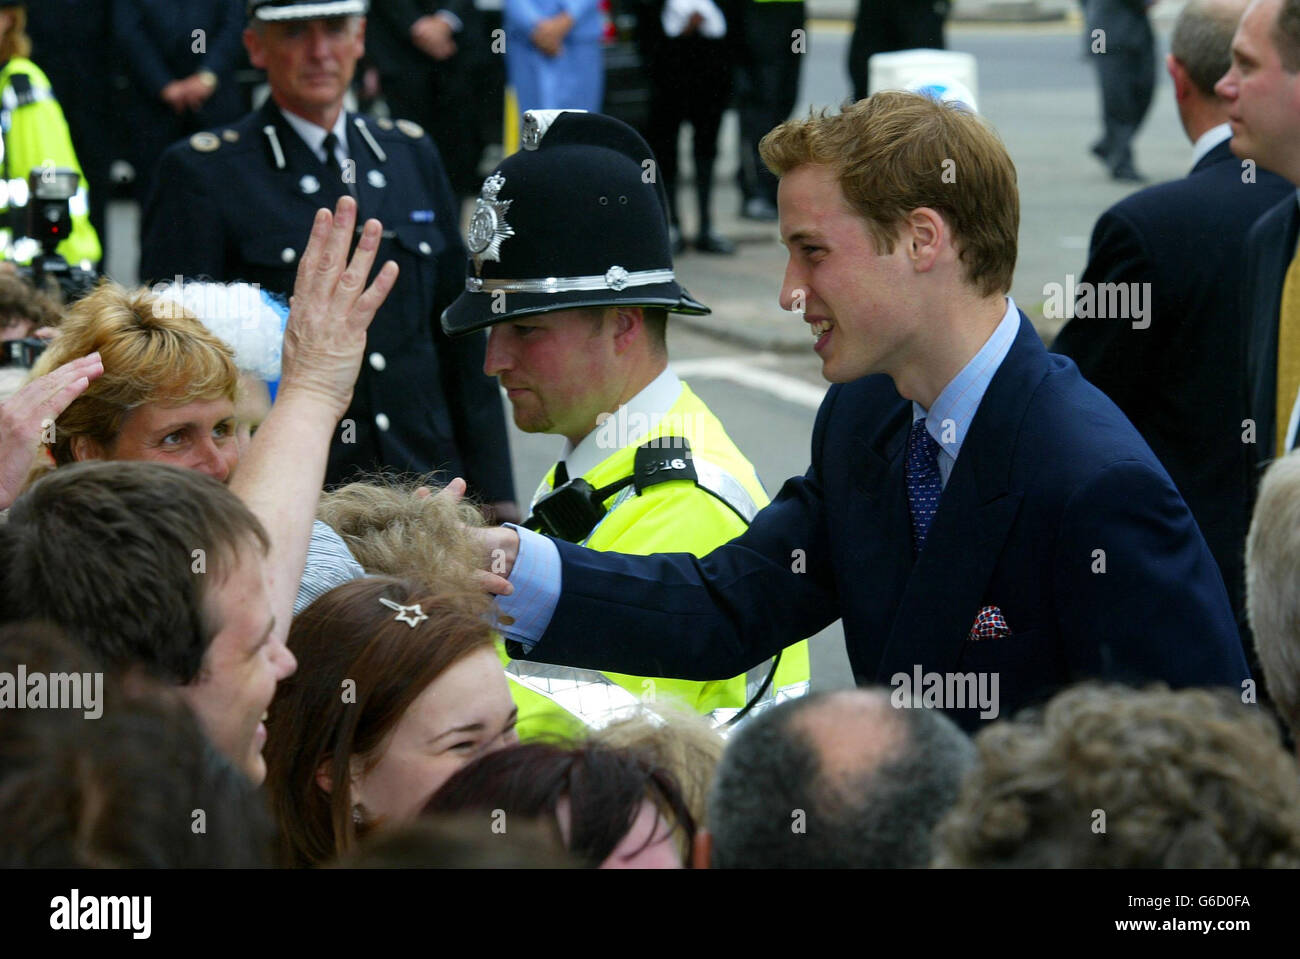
(924, 483)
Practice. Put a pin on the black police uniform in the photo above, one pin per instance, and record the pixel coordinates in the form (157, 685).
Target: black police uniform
(238, 204)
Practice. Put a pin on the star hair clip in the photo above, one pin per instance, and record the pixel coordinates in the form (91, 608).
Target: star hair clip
(411, 615)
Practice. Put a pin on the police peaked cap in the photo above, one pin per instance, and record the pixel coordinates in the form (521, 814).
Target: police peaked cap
(577, 218)
(279, 11)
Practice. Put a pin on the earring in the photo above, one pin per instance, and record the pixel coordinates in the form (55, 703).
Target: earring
(357, 818)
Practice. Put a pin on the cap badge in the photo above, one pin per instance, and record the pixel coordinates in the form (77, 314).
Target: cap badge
(616, 278)
(488, 227)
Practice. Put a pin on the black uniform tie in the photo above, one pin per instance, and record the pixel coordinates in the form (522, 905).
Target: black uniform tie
(332, 163)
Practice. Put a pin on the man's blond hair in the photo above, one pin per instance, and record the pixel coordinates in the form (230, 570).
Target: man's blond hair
(895, 152)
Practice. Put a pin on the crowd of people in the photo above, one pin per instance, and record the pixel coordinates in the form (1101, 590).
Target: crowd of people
(266, 600)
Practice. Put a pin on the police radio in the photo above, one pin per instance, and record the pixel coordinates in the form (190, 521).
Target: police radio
(574, 508)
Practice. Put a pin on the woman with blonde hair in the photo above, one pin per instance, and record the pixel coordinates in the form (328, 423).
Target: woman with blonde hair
(167, 392)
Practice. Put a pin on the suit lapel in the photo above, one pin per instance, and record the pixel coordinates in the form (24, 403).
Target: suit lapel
(947, 584)
(882, 567)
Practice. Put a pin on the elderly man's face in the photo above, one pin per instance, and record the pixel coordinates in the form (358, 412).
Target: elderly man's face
(1263, 97)
(309, 63)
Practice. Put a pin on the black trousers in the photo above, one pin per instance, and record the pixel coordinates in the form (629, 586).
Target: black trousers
(440, 101)
(767, 86)
(1127, 76)
(885, 25)
(690, 82)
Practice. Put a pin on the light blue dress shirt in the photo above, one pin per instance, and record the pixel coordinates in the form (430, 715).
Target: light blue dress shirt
(949, 419)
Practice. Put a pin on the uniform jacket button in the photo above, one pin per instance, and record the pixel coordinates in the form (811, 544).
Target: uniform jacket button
(288, 254)
(377, 361)
(381, 421)
(425, 248)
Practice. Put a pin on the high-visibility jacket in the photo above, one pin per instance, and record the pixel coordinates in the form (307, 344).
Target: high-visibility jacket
(35, 135)
(673, 516)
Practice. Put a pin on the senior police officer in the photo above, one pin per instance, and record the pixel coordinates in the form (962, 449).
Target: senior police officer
(237, 203)
(572, 272)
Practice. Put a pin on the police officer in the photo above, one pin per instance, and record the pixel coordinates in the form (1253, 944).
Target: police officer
(571, 271)
(34, 134)
(237, 203)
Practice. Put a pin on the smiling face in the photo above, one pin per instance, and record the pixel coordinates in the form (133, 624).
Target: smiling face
(557, 369)
(198, 436)
(1263, 97)
(854, 299)
(463, 714)
(309, 63)
(242, 664)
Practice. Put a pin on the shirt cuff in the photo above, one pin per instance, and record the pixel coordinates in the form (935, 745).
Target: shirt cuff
(536, 579)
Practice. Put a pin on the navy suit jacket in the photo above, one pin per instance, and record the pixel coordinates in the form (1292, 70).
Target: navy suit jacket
(1180, 380)
(1052, 486)
(1270, 245)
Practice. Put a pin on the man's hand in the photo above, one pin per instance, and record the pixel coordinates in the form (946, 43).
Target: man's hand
(331, 309)
(434, 36)
(33, 409)
(188, 93)
(500, 546)
(549, 34)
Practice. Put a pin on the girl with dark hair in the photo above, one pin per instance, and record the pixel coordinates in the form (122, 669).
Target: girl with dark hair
(396, 689)
(613, 808)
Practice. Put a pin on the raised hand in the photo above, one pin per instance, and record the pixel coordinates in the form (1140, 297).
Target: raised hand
(331, 308)
(26, 415)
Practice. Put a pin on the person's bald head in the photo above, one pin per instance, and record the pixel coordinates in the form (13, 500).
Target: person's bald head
(1202, 40)
(836, 779)
(853, 732)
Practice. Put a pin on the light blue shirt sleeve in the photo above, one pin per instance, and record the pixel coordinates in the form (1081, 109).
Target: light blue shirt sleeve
(536, 579)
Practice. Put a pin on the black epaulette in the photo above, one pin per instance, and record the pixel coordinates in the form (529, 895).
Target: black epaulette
(24, 92)
(661, 461)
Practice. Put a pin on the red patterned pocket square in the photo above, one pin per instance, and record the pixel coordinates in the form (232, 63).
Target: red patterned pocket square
(989, 624)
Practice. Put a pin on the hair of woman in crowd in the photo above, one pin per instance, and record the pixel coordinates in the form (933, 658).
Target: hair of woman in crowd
(614, 808)
(678, 740)
(396, 689)
(393, 529)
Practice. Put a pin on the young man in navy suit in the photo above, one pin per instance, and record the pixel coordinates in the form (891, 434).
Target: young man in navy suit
(988, 525)
(1176, 370)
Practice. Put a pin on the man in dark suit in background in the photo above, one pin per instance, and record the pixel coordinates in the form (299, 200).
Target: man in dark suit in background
(989, 526)
(1175, 370)
(430, 55)
(882, 26)
(1124, 49)
(1262, 90)
(180, 57)
(238, 203)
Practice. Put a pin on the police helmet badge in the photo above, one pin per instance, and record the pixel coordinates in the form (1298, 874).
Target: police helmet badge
(488, 227)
